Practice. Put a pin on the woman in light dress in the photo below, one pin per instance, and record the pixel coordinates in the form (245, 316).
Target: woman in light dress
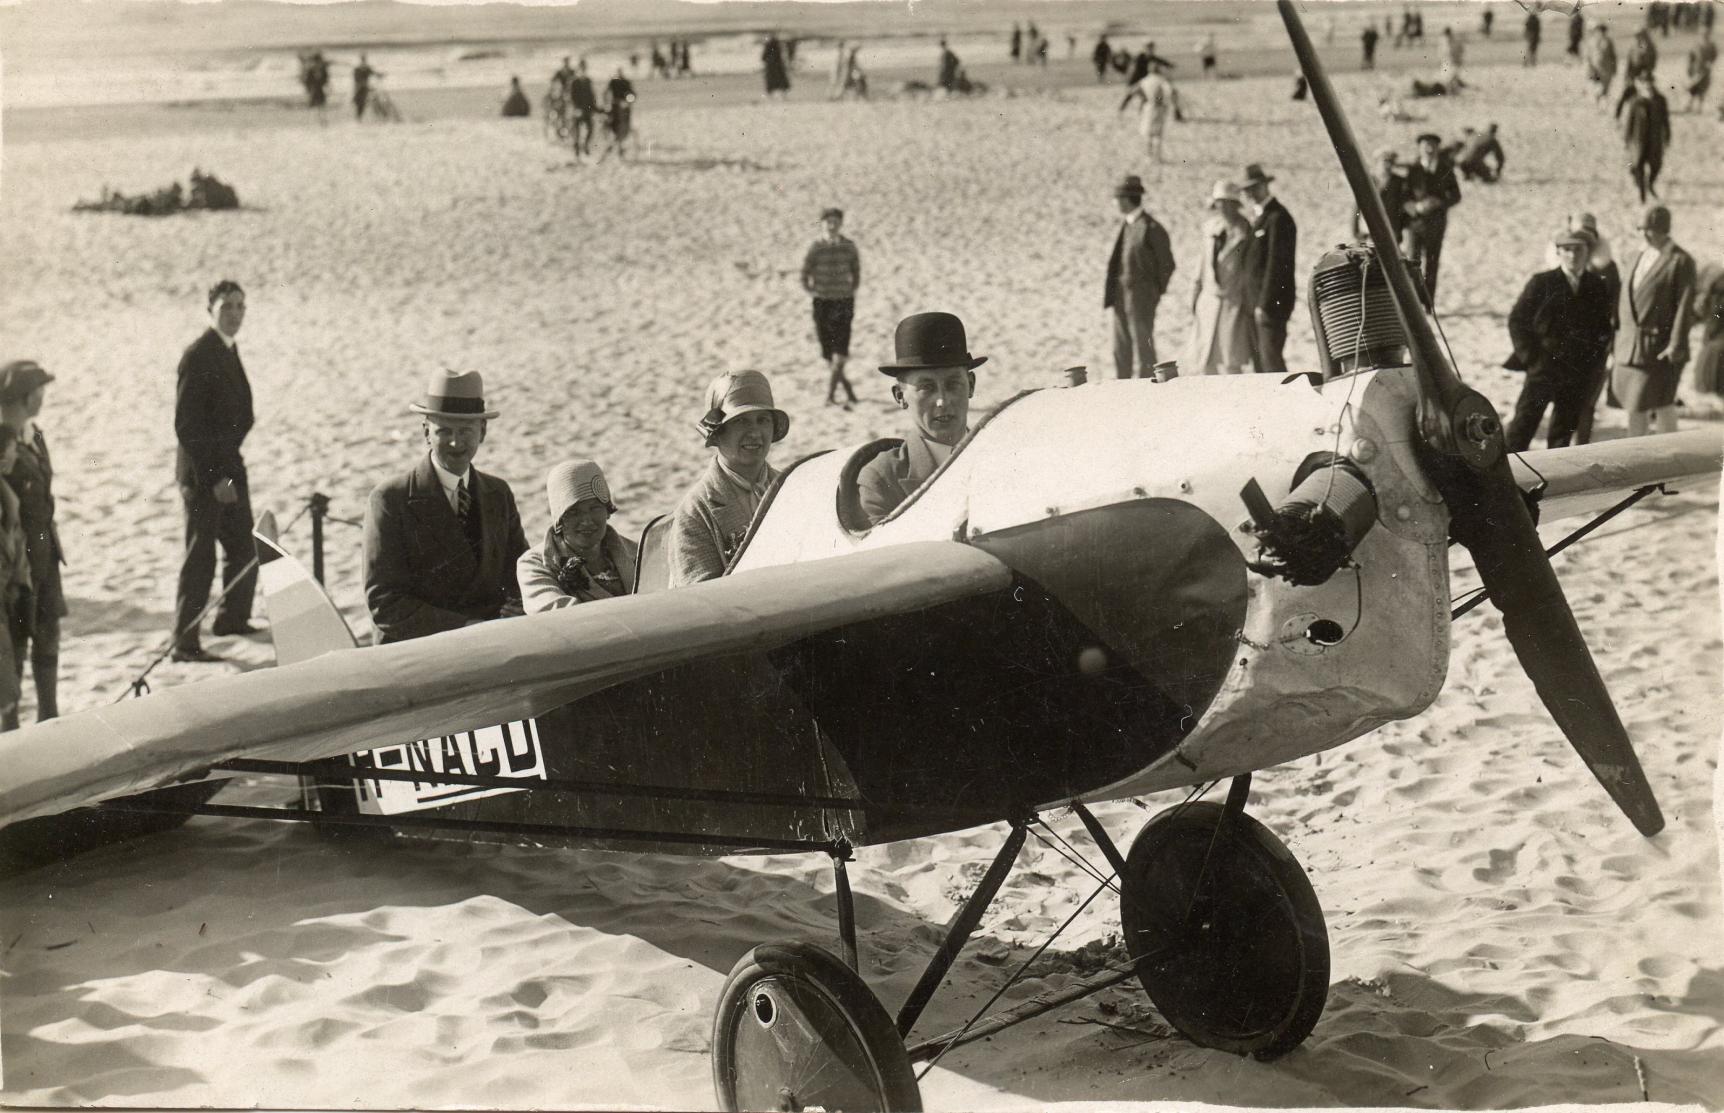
(1222, 334)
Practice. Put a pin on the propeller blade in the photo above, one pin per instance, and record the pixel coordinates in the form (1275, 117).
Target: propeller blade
(1464, 454)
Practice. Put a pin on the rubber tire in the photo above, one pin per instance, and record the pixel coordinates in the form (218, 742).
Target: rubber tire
(1254, 978)
(806, 986)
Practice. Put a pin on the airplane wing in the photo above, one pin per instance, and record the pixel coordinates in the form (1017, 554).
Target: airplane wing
(494, 672)
(1591, 477)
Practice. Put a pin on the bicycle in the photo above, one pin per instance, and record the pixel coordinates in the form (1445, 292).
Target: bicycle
(382, 107)
(555, 115)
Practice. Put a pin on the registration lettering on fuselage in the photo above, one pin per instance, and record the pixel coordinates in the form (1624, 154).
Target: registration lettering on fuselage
(508, 751)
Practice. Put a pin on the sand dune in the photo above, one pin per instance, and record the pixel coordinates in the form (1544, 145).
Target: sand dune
(1500, 935)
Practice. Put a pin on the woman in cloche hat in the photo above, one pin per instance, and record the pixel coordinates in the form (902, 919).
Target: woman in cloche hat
(1222, 329)
(713, 517)
(582, 557)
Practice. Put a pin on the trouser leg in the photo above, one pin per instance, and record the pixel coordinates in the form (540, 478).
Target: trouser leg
(1638, 423)
(1122, 344)
(1535, 395)
(1141, 319)
(238, 554)
(1271, 342)
(1666, 419)
(1566, 403)
(1589, 404)
(1433, 256)
(197, 566)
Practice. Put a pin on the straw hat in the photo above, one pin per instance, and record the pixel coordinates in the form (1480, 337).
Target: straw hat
(454, 394)
(735, 393)
(573, 480)
(1223, 190)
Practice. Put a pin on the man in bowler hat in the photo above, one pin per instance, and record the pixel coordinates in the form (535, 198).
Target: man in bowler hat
(212, 415)
(442, 540)
(1269, 268)
(1138, 273)
(1560, 327)
(936, 378)
(1431, 192)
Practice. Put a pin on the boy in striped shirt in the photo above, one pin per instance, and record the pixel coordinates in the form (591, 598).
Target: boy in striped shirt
(831, 272)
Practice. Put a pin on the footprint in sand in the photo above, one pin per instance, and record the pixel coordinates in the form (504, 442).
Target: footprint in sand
(1502, 866)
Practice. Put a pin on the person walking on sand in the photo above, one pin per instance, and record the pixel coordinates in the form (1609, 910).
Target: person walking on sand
(1656, 312)
(1700, 59)
(362, 75)
(36, 618)
(1645, 134)
(1560, 329)
(1531, 34)
(442, 540)
(1157, 99)
(1101, 57)
(741, 425)
(1601, 60)
(212, 415)
(1273, 280)
(584, 104)
(1576, 33)
(1368, 47)
(1222, 333)
(774, 68)
(1431, 192)
(619, 113)
(950, 68)
(1139, 271)
(831, 271)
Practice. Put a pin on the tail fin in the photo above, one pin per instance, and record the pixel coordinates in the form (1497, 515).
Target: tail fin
(302, 619)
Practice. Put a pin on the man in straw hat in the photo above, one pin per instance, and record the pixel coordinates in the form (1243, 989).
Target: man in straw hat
(1274, 282)
(831, 271)
(708, 525)
(442, 540)
(212, 415)
(936, 378)
(1432, 191)
(1560, 327)
(1138, 273)
(582, 559)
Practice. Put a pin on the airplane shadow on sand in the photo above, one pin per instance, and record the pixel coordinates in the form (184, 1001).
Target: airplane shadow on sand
(1407, 1039)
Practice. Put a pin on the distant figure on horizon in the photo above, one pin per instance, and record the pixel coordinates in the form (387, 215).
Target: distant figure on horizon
(1158, 100)
(1017, 47)
(1645, 133)
(619, 113)
(1576, 33)
(362, 75)
(314, 75)
(1481, 156)
(1486, 19)
(950, 68)
(1368, 47)
(516, 103)
(1206, 52)
(1601, 60)
(1700, 59)
(1531, 34)
(1102, 57)
(774, 67)
(584, 103)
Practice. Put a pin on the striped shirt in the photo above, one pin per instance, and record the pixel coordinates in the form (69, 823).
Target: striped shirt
(832, 269)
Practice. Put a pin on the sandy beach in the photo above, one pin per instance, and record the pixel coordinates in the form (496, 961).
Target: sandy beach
(1500, 935)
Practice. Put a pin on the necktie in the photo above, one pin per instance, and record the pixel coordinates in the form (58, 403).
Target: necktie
(463, 502)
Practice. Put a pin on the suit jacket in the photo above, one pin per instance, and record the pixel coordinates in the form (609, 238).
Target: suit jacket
(1658, 313)
(889, 479)
(212, 413)
(1141, 265)
(1428, 185)
(1559, 331)
(1646, 128)
(421, 574)
(1273, 282)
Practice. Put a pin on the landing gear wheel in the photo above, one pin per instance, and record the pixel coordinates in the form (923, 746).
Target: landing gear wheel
(797, 1028)
(1244, 963)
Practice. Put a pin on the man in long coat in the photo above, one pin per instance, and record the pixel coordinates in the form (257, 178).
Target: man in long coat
(1645, 134)
(1270, 265)
(1431, 192)
(1656, 312)
(442, 540)
(1138, 273)
(1560, 326)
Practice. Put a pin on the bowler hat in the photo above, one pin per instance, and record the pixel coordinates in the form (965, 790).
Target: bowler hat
(573, 480)
(1254, 174)
(735, 393)
(930, 342)
(454, 394)
(1130, 186)
(1655, 219)
(20, 377)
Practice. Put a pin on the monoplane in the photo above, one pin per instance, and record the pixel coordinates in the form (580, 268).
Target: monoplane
(1187, 600)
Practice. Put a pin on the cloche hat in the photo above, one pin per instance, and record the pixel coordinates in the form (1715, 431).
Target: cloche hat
(735, 393)
(573, 480)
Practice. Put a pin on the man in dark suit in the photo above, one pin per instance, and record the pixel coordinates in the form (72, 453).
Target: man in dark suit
(1431, 192)
(1560, 327)
(1645, 133)
(1656, 312)
(1138, 273)
(212, 415)
(441, 541)
(1269, 265)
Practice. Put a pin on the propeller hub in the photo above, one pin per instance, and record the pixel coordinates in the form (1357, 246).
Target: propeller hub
(1478, 431)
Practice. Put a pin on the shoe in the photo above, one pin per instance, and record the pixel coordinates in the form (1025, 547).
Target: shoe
(196, 654)
(235, 629)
